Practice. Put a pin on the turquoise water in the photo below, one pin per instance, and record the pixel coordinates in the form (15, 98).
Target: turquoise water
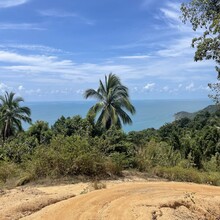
(149, 113)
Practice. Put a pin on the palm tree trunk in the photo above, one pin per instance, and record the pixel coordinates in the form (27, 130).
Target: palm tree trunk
(5, 130)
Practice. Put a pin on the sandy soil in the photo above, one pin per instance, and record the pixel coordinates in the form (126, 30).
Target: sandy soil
(130, 199)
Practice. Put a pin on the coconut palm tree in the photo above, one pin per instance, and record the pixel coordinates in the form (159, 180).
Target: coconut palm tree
(12, 114)
(113, 102)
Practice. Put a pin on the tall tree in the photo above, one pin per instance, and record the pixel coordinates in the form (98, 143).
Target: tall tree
(205, 14)
(113, 102)
(12, 114)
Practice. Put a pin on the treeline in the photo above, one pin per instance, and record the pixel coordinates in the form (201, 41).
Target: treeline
(185, 150)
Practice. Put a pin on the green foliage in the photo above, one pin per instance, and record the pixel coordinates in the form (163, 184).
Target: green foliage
(184, 150)
(179, 174)
(188, 175)
(12, 115)
(157, 154)
(66, 156)
(205, 14)
(72, 126)
(213, 164)
(139, 138)
(20, 148)
(41, 131)
(7, 170)
(113, 102)
(114, 140)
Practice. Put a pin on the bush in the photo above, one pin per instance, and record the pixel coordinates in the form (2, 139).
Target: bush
(7, 170)
(213, 164)
(156, 154)
(188, 175)
(179, 174)
(68, 156)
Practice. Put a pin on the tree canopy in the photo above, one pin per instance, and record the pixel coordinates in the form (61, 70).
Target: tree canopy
(113, 102)
(205, 15)
(12, 114)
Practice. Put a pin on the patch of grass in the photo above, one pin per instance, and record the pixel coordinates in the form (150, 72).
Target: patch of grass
(187, 175)
(7, 170)
(24, 179)
(98, 185)
(85, 190)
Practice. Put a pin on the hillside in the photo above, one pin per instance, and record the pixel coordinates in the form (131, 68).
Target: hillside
(183, 114)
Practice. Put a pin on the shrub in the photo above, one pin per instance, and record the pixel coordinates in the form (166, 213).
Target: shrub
(213, 164)
(179, 174)
(188, 175)
(156, 154)
(67, 156)
(7, 170)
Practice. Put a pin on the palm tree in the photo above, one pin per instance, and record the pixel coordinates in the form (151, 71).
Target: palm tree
(113, 101)
(12, 114)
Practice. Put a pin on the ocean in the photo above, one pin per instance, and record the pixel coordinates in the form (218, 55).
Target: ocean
(149, 113)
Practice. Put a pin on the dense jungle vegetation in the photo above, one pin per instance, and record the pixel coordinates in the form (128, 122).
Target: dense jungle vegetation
(184, 150)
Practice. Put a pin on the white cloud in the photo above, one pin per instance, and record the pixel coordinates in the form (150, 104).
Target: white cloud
(205, 88)
(53, 70)
(57, 13)
(3, 87)
(31, 47)
(190, 87)
(171, 14)
(178, 47)
(33, 91)
(166, 88)
(54, 67)
(65, 14)
(149, 86)
(135, 57)
(174, 5)
(20, 26)
(11, 3)
(20, 88)
(80, 91)
(135, 88)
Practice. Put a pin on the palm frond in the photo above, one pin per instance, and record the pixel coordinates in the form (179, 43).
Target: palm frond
(102, 89)
(125, 103)
(101, 118)
(113, 114)
(12, 114)
(111, 81)
(92, 93)
(18, 99)
(96, 108)
(114, 98)
(23, 110)
(124, 116)
(18, 125)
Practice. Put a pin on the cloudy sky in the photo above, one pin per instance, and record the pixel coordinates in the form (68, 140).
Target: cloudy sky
(55, 49)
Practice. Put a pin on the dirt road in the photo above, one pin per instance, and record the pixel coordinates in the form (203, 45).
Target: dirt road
(137, 201)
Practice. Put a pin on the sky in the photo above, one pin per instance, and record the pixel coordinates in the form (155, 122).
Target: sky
(53, 50)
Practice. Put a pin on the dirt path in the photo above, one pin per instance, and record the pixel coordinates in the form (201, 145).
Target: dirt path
(22, 201)
(138, 200)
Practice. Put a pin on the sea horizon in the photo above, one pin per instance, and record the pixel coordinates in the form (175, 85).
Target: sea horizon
(150, 113)
(135, 99)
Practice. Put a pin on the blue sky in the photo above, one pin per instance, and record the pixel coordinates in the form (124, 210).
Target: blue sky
(55, 49)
